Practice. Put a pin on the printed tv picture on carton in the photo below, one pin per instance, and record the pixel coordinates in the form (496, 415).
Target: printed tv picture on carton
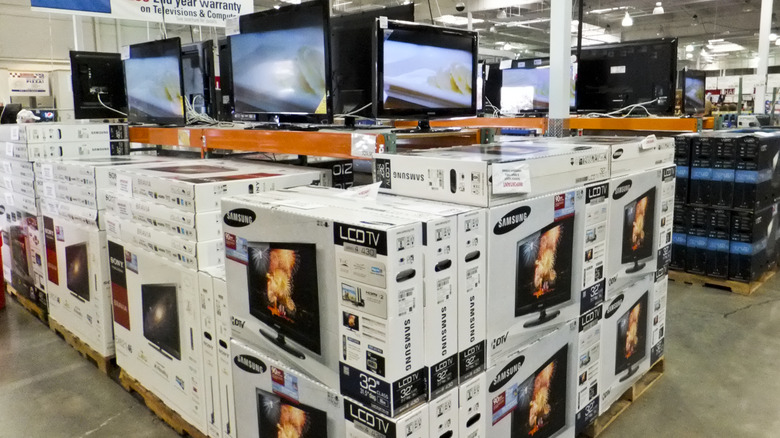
(161, 318)
(638, 231)
(631, 338)
(283, 293)
(541, 400)
(279, 417)
(77, 271)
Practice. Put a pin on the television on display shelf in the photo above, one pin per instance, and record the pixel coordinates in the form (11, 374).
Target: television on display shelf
(526, 87)
(693, 97)
(97, 77)
(161, 318)
(198, 77)
(281, 417)
(154, 83)
(77, 271)
(541, 399)
(631, 343)
(638, 227)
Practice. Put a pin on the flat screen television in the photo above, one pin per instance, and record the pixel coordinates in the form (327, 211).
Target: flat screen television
(161, 318)
(279, 417)
(351, 56)
(289, 48)
(541, 399)
(693, 91)
(638, 231)
(225, 104)
(631, 343)
(544, 270)
(93, 74)
(8, 113)
(284, 295)
(77, 270)
(153, 81)
(526, 88)
(613, 76)
(198, 77)
(423, 72)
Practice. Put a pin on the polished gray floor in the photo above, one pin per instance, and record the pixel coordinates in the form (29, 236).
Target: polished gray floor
(722, 377)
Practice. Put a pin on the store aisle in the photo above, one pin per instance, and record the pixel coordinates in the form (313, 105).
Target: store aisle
(49, 390)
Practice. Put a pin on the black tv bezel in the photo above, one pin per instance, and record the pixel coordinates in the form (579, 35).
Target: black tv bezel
(377, 73)
(622, 364)
(281, 327)
(205, 52)
(146, 50)
(174, 351)
(698, 74)
(561, 354)
(629, 258)
(82, 293)
(118, 86)
(556, 298)
(671, 85)
(225, 108)
(246, 25)
(322, 416)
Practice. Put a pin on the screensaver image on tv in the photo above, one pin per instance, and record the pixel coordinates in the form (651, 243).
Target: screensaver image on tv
(541, 400)
(631, 337)
(638, 226)
(158, 95)
(77, 270)
(161, 318)
(280, 418)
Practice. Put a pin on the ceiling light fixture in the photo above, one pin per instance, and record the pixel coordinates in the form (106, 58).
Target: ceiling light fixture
(658, 9)
(689, 48)
(689, 56)
(627, 21)
(501, 14)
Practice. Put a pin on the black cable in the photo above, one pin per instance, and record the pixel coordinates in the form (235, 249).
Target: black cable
(430, 10)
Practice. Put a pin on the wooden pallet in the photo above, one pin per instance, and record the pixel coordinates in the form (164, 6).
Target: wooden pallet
(163, 412)
(627, 399)
(736, 287)
(28, 304)
(106, 365)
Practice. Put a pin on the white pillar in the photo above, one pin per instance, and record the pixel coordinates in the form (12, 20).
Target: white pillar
(764, 29)
(76, 32)
(560, 58)
(118, 28)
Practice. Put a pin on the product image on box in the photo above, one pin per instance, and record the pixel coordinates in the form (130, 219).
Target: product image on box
(631, 338)
(541, 400)
(161, 318)
(278, 417)
(544, 271)
(77, 271)
(20, 263)
(638, 231)
(283, 293)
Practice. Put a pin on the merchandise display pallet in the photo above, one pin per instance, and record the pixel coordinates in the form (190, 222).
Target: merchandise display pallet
(28, 304)
(106, 365)
(163, 412)
(626, 400)
(736, 287)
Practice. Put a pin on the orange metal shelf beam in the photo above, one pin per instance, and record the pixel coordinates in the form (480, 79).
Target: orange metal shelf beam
(636, 124)
(484, 122)
(167, 136)
(323, 144)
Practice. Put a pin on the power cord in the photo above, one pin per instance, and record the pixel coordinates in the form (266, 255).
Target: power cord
(630, 109)
(104, 105)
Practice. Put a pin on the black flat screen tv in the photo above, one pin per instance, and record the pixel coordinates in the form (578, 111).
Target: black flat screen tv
(541, 399)
(225, 95)
(693, 83)
(544, 270)
(161, 318)
(94, 73)
(638, 231)
(631, 342)
(77, 270)
(198, 77)
(526, 87)
(284, 295)
(153, 81)
(278, 417)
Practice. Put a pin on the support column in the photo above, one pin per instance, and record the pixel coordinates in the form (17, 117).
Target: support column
(765, 24)
(560, 67)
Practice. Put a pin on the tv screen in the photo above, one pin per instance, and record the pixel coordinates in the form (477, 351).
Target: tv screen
(283, 292)
(197, 61)
(613, 76)
(161, 317)
(541, 400)
(544, 262)
(278, 417)
(19, 250)
(93, 74)
(693, 91)
(424, 71)
(638, 228)
(281, 61)
(154, 83)
(631, 340)
(527, 87)
(77, 270)
(351, 56)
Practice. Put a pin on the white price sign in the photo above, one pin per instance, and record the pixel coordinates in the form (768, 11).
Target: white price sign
(511, 178)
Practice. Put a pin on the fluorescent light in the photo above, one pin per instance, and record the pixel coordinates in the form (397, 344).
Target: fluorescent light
(658, 9)
(292, 2)
(777, 42)
(457, 21)
(689, 56)
(721, 46)
(719, 40)
(772, 36)
(689, 48)
(627, 20)
(507, 46)
(605, 10)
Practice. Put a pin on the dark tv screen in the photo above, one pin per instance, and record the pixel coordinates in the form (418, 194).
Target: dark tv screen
(278, 417)
(638, 228)
(154, 83)
(161, 317)
(94, 73)
(77, 270)
(631, 340)
(541, 400)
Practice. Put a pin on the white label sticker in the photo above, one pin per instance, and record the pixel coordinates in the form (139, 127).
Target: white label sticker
(648, 142)
(296, 203)
(125, 54)
(124, 184)
(184, 137)
(7, 168)
(232, 26)
(505, 64)
(15, 133)
(49, 190)
(363, 145)
(383, 22)
(511, 178)
(9, 199)
(617, 69)
(9, 149)
(370, 191)
(47, 170)
(8, 183)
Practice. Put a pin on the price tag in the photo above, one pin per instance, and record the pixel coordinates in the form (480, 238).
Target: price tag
(8, 183)
(184, 137)
(505, 64)
(370, 191)
(125, 54)
(47, 170)
(49, 190)
(648, 142)
(363, 145)
(511, 178)
(9, 198)
(9, 149)
(15, 133)
(231, 26)
(124, 184)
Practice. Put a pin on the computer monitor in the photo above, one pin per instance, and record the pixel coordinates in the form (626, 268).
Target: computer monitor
(197, 61)
(423, 72)
(544, 272)
(638, 231)
(613, 76)
(96, 74)
(284, 295)
(154, 84)
(693, 91)
(631, 343)
(280, 417)
(541, 399)
(161, 318)
(351, 56)
(526, 88)
(77, 270)
(281, 63)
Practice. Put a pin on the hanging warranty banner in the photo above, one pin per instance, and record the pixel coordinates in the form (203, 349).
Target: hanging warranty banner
(192, 12)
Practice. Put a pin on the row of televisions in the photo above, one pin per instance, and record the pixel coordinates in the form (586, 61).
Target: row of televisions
(302, 65)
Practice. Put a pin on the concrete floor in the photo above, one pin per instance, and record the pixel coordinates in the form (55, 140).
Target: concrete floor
(721, 379)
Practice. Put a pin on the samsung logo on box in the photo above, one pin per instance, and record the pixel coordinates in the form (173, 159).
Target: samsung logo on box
(506, 374)
(239, 217)
(512, 220)
(622, 189)
(250, 364)
(409, 176)
(614, 306)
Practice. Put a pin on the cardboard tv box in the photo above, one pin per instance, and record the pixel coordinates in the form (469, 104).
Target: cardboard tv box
(532, 392)
(543, 254)
(208, 339)
(78, 281)
(224, 358)
(157, 326)
(295, 271)
(94, 171)
(626, 334)
(17, 168)
(20, 185)
(472, 413)
(364, 423)
(443, 415)
(45, 151)
(23, 250)
(486, 175)
(67, 132)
